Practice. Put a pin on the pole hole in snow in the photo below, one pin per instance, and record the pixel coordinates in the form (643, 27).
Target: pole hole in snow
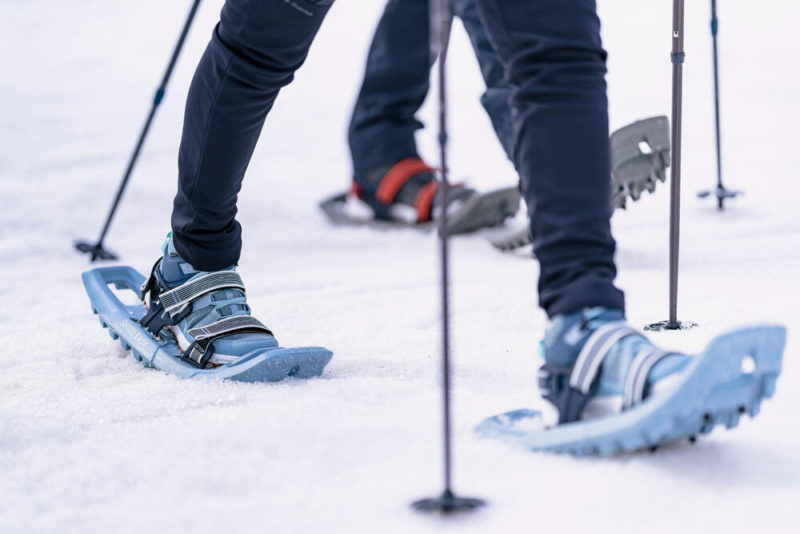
(748, 365)
(645, 148)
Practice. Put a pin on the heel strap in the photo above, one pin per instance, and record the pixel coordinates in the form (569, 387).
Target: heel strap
(423, 202)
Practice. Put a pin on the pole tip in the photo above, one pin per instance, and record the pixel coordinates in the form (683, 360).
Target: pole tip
(96, 251)
(447, 503)
(670, 325)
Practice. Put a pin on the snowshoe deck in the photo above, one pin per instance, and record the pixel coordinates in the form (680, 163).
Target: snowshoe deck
(482, 210)
(264, 365)
(732, 376)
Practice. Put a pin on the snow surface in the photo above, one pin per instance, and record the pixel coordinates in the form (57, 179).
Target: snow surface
(91, 442)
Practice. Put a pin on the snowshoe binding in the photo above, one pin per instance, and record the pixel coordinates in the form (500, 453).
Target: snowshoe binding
(615, 392)
(194, 324)
(640, 156)
(405, 195)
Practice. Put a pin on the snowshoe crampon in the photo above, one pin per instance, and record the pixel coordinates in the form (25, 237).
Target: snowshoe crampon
(477, 211)
(730, 378)
(122, 322)
(640, 156)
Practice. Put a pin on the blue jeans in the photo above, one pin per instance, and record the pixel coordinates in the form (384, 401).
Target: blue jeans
(555, 65)
(396, 82)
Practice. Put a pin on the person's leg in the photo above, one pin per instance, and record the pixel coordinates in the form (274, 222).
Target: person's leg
(388, 174)
(596, 366)
(556, 66)
(396, 81)
(195, 297)
(496, 98)
(254, 51)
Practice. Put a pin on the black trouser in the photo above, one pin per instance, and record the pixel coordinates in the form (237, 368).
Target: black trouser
(396, 83)
(555, 64)
(254, 51)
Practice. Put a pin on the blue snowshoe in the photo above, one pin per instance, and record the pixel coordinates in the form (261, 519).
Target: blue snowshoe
(194, 324)
(615, 392)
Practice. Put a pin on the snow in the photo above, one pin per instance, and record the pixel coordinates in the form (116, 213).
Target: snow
(91, 442)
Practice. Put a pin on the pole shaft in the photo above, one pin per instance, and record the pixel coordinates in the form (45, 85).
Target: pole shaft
(440, 25)
(714, 31)
(675, 189)
(159, 95)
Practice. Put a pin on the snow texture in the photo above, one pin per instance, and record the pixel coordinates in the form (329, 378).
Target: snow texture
(92, 442)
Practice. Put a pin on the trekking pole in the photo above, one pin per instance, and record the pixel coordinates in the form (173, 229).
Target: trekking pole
(677, 58)
(447, 502)
(97, 250)
(721, 193)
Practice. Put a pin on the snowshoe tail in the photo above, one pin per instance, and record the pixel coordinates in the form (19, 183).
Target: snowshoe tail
(482, 210)
(640, 156)
(513, 239)
(121, 320)
(730, 378)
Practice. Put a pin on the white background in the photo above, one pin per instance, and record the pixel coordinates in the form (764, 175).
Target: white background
(91, 442)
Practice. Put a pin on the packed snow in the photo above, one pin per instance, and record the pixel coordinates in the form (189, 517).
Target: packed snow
(92, 442)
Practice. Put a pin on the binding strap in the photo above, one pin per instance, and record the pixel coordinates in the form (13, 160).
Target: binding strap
(201, 349)
(423, 202)
(571, 388)
(155, 319)
(594, 352)
(397, 176)
(636, 378)
(175, 300)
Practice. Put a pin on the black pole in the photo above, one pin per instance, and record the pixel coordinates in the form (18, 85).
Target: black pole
(677, 56)
(96, 250)
(447, 502)
(721, 193)
(714, 30)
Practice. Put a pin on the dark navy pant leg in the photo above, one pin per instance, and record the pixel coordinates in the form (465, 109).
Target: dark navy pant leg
(556, 66)
(396, 82)
(254, 51)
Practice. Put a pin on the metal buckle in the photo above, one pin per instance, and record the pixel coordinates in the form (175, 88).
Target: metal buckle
(199, 353)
